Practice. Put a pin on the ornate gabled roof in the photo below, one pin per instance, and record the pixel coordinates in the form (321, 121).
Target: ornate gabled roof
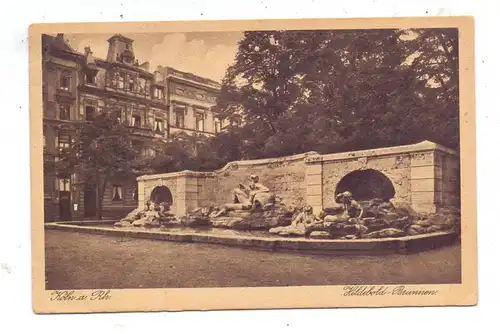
(120, 37)
(57, 42)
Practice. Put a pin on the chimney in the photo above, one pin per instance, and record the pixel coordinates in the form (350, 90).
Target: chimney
(89, 57)
(61, 36)
(158, 74)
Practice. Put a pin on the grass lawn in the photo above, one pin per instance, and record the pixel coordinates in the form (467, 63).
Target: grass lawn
(85, 261)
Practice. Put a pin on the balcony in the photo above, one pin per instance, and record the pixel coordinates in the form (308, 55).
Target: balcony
(138, 94)
(141, 130)
(66, 92)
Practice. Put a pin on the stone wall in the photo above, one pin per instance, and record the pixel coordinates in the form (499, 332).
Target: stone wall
(283, 176)
(395, 168)
(450, 180)
(146, 185)
(424, 174)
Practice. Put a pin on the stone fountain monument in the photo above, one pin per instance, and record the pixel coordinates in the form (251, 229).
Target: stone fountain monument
(255, 207)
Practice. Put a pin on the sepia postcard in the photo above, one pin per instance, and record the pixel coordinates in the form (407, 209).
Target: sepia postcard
(215, 165)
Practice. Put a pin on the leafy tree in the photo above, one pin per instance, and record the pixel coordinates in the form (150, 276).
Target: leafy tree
(331, 90)
(341, 90)
(435, 64)
(100, 151)
(195, 152)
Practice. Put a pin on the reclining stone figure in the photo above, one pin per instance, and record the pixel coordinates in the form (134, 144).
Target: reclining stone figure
(350, 214)
(255, 195)
(300, 223)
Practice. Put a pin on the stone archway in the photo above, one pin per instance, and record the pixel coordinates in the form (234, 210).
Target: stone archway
(366, 184)
(161, 194)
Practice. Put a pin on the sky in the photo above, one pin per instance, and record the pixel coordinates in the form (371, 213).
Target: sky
(207, 54)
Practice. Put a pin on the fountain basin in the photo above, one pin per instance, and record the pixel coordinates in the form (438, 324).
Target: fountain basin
(266, 241)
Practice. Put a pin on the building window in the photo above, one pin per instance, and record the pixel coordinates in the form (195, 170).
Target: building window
(89, 113)
(135, 194)
(116, 114)
(64, 184)
(90, 78)
(65, 81)
(136, 121)
(200, 122)
(179, 117)
(158, 125)
(121, 81)
(127, 46)
(63, 142)
(131, 85)
(217, 125)
(117, 193)
(64, 112)
(141, 83)
(158, 93)
(147, 152)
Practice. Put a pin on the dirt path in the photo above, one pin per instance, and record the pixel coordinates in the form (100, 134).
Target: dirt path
(83, 261)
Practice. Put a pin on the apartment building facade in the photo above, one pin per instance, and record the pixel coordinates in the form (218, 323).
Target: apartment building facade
(155, 104)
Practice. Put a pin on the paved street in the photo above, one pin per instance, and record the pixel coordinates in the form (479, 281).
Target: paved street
(83, 261)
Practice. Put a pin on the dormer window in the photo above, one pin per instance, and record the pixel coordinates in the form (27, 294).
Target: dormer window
(158, 93)
(90, 78)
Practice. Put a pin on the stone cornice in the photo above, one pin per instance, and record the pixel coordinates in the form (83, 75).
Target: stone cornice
(425, 146)
(311, 158)
(267, 161)
(184, 173)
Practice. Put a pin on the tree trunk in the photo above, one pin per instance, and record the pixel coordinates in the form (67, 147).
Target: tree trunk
(98, 206)
(100, 197)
